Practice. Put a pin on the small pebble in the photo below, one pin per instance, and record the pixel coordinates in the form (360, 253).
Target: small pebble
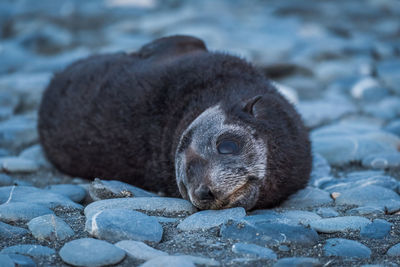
(326, 212)
(30, 250)
(16, 165)
(378, 229)
(346, 248)
(21, 211)
(139, 250)
(394, 251)
(366, 211)
(339, 224)
(11, 232)
(50, 227)
(90, 252)
(254, 250)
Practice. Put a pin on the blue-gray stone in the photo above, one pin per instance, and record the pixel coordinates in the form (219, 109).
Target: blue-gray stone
(11, 232)
(35, 153)
(394, 251)
(254, 250)
(339, 224)
(50, 227)
(308, 197)
(320, 168)
(5, 180)
(169, 261)
(346, 248)
(206, 219)
(18, 131)
(388, 71)
(21, 260)
(382, 160)
(368, 89)
(292, 217)
(366, 211)
(120, 224)
(162, 205)
(266, 233)
(6, 261)
(21, 211)
(297, 262)
(139, 250)
(393, 127)
(90, 252)
(30, 250)
(18, 165)
(327, 212)
(35, 195)
(378, 229)
(74, 192)
(387, 109)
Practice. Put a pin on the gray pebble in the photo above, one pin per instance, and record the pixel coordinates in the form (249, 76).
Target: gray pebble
(90, 252)
(6, 261)
(206, 219)
(327, 212)
(308, 197)
(254, 250)
(297, 262)
(292, 217)
(378, 229)
(162, 205)
(21, 211)
(139, 250)
(366, 211)
(30, 250)
(284, 248)
(339, 224)
(50, 227)
(382, 161)
(74, 192)
(346, 248)
(5, 180)
(11, 232)
(36, 153)
(169, 261)
(394, 251)
(119, 224)
(22, 261)
(16, 165)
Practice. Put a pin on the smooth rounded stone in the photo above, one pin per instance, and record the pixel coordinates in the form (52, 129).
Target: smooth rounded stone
(368, 89)
(11, 232)
(320, 169)
(169, 261)
(292, 217)
(120, 224)
(22, 211)
(16, 165)
(339, 224)
(394, 251)
(388, 71)
(104, 189)
(393, 127)
(387, 109)
(36, 153)
(283, 248)
(266, 233)
(254, 250)
(90, 252)
(369, 195)
(378, 229)
(346, 248)
(162, 205)
(18, 131)
(21, 260)
(33, 195)
(201, 260)
(308, 197)
(206, 219)
(74, 192)
(297, 262)
(6, 261)
(382, 161)
(50, 227)
(5, 180)
(366, 211)
(139, 250)
(30, 250)
(327, 212)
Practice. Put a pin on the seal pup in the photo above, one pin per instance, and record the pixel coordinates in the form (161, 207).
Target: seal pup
(178, 119)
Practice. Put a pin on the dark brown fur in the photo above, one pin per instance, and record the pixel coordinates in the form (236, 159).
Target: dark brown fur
(120, 116)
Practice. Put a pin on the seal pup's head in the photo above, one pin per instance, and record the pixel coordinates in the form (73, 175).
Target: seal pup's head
(219, 162)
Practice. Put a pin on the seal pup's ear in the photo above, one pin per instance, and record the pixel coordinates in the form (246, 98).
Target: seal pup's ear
(252, 106)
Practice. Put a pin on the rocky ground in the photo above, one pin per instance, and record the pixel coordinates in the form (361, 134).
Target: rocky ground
(338, 62)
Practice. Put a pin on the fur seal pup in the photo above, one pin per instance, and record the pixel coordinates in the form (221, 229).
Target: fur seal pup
(176, 118)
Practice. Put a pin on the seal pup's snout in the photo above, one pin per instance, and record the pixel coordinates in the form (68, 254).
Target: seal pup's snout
(203, 193)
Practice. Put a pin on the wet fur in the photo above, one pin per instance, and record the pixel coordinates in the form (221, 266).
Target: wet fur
(121, 116)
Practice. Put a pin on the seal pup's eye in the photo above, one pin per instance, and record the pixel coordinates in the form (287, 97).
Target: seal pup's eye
(228, 147)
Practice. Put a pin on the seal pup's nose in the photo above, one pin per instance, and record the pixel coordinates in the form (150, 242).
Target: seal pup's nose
(203, 193)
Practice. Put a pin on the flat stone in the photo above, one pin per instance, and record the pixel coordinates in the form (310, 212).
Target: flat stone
(17, 165)
(11, 232)
(6, 261)
(90, 252)
(206, 219)
(266, 233)
(50, 227)
(115, 225)
(36, 153)
(74, 192)
(169, 261)
(5, 180)
(21, 260)
(105, 189)
(308, 197)
(366, 211)
(35, 195)
(30, 250)
(327, 212)
(394, 251)
(378, 229)
(292, 217)
(21, 211)
(254, 250)
(382, 161)
(18, 131)
(339, 224)
(346, 248)
(139, 250)
(297, 262)
(161, 205)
